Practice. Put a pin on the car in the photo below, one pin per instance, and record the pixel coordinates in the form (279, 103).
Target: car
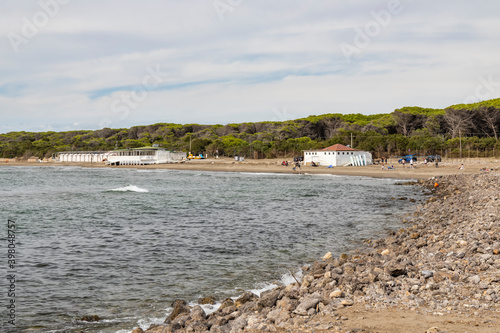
(407, 159)
(433, 158)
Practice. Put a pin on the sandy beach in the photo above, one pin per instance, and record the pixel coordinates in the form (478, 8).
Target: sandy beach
(421, 171)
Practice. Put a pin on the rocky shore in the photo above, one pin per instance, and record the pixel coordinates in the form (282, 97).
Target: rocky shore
(445, 261)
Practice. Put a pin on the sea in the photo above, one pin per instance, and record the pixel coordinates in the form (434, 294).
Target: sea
(123, 244)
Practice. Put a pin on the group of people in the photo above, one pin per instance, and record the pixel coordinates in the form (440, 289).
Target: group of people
(296, 165)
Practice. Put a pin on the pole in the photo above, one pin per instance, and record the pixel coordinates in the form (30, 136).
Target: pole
(351, 141)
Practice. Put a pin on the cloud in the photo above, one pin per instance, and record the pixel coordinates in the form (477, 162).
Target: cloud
(78, 70)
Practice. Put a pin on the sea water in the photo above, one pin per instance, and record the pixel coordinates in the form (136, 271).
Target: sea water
(123, 244)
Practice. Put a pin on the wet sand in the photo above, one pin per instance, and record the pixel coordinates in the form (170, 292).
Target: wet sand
(421, 171)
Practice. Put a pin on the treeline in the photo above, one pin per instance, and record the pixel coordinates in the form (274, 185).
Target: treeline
(473, 128)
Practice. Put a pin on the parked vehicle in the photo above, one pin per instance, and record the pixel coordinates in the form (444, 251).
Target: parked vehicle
(407, 159)
(433, 158)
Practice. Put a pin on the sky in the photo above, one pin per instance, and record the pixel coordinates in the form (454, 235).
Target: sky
(75, 64)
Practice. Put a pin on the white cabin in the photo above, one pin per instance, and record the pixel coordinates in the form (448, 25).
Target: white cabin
(338, 155)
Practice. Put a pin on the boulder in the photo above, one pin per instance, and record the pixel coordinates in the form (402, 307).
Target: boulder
(180, 306)
(207, 300)
(197, 313)
(336, 294)
(268, 298)
(306, 304)
(245, 298)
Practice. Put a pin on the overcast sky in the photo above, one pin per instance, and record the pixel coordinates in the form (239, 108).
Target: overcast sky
(75, 64)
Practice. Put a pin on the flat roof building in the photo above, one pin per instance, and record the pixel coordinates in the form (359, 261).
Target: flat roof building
(338, 155)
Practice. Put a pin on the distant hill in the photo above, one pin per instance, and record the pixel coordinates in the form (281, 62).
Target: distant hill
(423, 130)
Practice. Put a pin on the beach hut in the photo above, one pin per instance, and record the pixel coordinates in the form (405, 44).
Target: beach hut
(338, 155)
(144, 155)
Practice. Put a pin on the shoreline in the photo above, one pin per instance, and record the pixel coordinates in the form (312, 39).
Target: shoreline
(439, 273)
(420, 172)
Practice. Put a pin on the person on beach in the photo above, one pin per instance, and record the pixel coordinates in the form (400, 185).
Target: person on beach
(411, 163)
(404, 162)
(461, 167)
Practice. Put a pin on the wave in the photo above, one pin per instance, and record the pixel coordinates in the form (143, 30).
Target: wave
(129, 188)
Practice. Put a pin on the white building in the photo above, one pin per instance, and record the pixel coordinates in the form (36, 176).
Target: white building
(338, 155)
(145, 155)
(82, 156)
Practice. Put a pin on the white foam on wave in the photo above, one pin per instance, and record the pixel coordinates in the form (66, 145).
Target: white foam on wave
(208, 308)
(129, 188)
(145, 323)
(285, 280)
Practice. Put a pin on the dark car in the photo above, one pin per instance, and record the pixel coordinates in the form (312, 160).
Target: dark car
(433, 158)
(298, 159)
(407, 159)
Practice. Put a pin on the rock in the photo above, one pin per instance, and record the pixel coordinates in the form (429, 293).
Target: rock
(278, 316)
(475, 279)
(343, 257)
(220, 329)
(287, 304)
(226, 303)
(336, 294)
(245, 298)
(347, 302)
(385, 252)
(426, 274)
(268, 298)
(180, 306)
(327, 256)
(238, 324)
(181, 320)
(306, 304)
(197, 326)
(207, 300)
(197, 313)
(433, 330)
(306, 281)
(394, 269)
(228, 310)
(138, 330)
